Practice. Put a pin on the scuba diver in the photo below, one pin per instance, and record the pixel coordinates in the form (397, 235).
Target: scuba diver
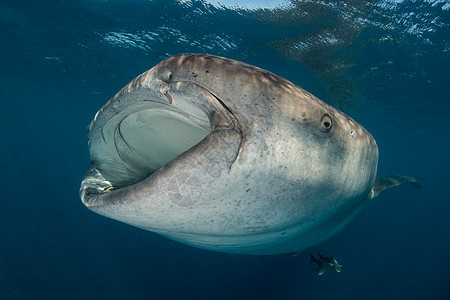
(325, 263)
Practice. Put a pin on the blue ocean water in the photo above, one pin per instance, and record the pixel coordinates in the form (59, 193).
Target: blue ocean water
(385, 63)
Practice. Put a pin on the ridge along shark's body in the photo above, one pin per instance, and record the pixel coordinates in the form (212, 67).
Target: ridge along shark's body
(228, 157)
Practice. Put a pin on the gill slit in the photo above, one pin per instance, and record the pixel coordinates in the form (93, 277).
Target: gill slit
(234, 117)
(239, 126)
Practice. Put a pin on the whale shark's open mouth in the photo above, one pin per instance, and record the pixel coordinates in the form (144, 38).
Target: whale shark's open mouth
(160, 119)
(136, 141)
(148, 139)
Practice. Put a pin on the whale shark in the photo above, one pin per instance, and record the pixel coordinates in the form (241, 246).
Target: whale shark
(225, 156)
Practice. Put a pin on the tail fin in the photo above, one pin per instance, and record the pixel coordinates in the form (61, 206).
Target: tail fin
(387, 182)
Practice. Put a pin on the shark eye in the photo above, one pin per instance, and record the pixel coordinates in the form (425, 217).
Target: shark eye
(326, 123)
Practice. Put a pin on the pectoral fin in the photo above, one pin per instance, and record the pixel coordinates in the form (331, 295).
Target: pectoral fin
(387, 182)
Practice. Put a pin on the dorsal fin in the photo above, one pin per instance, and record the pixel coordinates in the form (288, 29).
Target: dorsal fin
(387, 182)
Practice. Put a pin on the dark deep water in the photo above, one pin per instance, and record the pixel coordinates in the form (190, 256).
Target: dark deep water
(385, 63)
